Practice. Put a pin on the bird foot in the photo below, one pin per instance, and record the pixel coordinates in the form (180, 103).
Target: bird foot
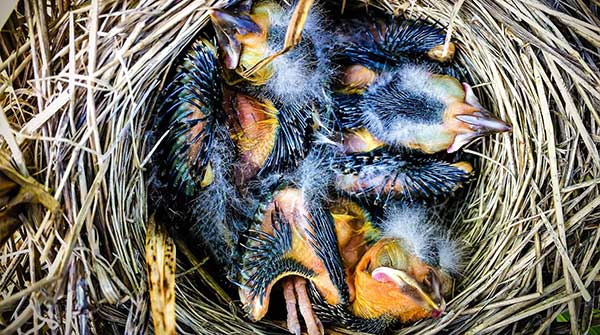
(294, 292)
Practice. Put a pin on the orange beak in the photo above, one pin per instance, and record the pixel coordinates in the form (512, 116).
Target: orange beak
(478, 123)
(403, 280)
(229, 29)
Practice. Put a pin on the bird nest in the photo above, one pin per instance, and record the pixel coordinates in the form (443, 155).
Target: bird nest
(78, 81)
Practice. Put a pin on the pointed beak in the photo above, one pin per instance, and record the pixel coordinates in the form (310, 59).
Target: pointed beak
(402, 279)
(481, 123)
(228, 28)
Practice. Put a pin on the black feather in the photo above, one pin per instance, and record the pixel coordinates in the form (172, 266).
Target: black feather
(393, 42)
(265, 257)
(347, 110)
(341, 316)
(195, 89)
(324, 242)
(394, 102)
(292, 138)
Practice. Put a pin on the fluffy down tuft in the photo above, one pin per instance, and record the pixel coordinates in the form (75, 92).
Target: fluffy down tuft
(450, 256)
(302, 73)
(219, 210)
(424, 239)
(410, 225)
(314, 175)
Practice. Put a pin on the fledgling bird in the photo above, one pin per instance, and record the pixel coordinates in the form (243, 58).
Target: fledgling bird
(391, 86)
(237, 171)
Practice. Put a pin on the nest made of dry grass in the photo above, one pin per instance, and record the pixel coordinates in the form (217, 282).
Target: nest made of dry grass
(78, 80)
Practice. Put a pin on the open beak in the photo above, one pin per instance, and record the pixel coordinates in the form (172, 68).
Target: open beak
(402, 279)
(228, 28)
(480, 123)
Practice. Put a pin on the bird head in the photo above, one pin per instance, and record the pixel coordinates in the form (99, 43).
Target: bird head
(390, 281)
(430, 112)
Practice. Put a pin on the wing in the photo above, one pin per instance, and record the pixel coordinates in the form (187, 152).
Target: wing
(382, 175)
(190, 117)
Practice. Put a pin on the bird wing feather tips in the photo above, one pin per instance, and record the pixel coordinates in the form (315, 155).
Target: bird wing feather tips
(192, 112)
(347, 111)
(160, 267)
(324, 241)
(340, 315)
(292, 138)
(384, 176)
(395, 42)
(266, 259)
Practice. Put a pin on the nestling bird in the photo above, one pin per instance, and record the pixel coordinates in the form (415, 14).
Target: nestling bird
(391, 86)
(194, 183)
(254, 30)
(360, 275)
(274, 110)
(398, 269)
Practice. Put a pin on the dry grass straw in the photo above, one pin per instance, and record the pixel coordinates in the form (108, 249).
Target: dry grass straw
(78, 79)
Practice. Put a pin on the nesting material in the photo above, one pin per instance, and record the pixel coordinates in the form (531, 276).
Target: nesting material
(77, 82)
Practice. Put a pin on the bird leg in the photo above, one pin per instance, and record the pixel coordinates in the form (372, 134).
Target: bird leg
(294, 292)
(292, 36)
(313, 324)
(290, 304)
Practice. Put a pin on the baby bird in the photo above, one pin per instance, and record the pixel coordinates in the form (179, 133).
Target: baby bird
(359, 275)
(398, 269)
(292, 241)
(274, 110)
(254, 30)
(389, 86)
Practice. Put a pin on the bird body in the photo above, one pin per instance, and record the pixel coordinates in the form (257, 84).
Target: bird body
(393, 82)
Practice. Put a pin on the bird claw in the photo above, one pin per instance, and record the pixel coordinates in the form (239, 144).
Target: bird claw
(294, 292)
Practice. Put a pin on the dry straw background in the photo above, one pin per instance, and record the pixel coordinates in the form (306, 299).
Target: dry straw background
(77, 82)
